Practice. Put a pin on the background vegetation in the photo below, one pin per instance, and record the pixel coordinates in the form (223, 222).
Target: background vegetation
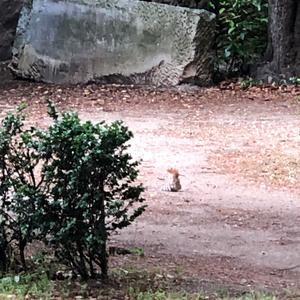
(241, 35)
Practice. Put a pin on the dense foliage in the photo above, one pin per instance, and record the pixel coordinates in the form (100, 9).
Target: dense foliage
(241, 34)
(19, 190)
(69, 186)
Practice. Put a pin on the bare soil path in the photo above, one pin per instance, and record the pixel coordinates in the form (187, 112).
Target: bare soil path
(237, 218)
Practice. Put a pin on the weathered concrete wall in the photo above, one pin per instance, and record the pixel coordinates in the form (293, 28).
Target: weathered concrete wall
(9, 15)
(109, 40)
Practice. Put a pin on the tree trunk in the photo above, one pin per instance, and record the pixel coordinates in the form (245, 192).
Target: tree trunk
(282, 57)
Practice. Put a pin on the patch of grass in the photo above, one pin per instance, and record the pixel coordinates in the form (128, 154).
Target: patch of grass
(294, 80)
(160, 285)
(138, 251)
(33, 285)
(135, 294)
(255, 296)
(124, 283)
(248, 82)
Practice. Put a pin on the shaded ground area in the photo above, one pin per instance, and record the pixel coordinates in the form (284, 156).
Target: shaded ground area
(236, 221)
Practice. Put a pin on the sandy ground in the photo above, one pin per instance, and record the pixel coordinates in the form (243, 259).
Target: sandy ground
(237, 218)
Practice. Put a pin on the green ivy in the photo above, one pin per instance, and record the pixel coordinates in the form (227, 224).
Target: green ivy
(241, 34)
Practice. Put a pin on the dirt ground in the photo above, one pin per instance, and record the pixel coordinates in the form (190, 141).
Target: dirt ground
(236, 220)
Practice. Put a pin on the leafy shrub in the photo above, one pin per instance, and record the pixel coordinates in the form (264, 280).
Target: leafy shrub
(249, 82)
(26, 286)
(294, 80)
(241, 34)
(19, 190)
(91, 192)
(70, 185)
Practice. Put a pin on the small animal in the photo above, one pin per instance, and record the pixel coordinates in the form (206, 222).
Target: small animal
(173, 182)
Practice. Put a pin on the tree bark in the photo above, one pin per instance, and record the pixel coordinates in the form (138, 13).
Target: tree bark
(282, 57)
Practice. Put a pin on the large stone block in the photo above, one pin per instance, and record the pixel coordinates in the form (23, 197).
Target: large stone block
(125, 41)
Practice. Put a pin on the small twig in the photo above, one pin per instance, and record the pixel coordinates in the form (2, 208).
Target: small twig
(290, 268)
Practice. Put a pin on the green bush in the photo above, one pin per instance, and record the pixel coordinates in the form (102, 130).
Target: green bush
(241, 34)
(70, 186)
(19, 190)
